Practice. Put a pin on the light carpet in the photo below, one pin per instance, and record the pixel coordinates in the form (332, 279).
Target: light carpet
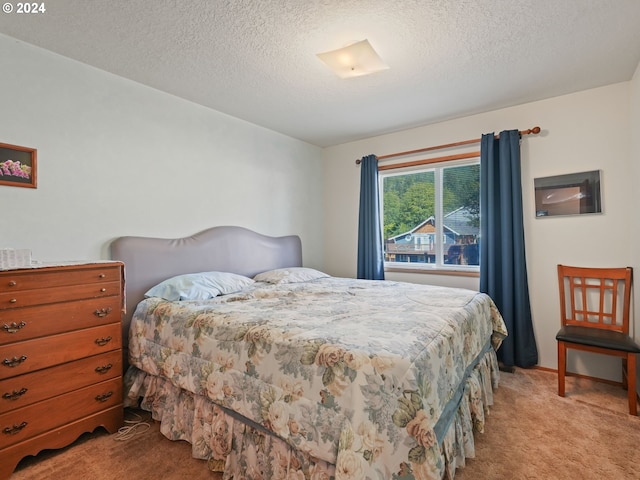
(531, 433)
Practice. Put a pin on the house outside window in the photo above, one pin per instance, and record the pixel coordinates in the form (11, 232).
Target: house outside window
(431, 216)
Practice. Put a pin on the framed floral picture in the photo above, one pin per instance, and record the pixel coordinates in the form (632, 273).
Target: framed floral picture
(18, 166)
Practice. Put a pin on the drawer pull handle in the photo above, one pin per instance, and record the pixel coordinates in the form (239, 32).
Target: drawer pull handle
(13, 300)
(12, 283)
(104, 368)
(15, 429)
(103, 289)
(103, 341)
(103, 397)
(16, 394)
(14, 362)
(13, 327)
(102, 312)
(102, 275)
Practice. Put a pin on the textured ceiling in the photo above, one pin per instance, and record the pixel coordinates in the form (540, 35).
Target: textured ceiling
(256, 59)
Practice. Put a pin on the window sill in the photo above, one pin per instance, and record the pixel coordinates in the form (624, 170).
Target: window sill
(434, 271)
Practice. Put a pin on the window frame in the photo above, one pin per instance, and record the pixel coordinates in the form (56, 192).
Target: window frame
(439, 267)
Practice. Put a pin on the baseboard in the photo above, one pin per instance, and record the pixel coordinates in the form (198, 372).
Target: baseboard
(579, 375)
(586, 377)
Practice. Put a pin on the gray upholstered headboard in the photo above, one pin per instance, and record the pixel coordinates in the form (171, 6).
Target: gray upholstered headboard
(148, 261)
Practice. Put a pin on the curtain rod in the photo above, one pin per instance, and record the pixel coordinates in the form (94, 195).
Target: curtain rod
(534, 130)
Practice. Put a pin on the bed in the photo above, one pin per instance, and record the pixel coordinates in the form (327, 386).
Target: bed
(286, 372)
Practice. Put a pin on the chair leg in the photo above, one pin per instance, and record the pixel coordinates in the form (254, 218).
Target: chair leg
(625, 385)
(562, 367)
(631, 384)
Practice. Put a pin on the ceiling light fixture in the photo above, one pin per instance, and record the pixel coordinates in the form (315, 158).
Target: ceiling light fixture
(353, 60)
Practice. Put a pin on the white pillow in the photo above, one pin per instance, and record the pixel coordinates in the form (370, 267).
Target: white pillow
(199, 286)
(289, 275)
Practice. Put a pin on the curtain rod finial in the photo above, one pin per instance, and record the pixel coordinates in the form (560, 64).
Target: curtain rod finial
(535, 130)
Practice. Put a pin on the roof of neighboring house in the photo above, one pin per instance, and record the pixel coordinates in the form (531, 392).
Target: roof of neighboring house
(457, 222)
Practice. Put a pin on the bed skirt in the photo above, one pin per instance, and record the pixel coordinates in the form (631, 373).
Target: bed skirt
(245, 450)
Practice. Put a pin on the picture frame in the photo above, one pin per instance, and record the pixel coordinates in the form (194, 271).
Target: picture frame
(18, 166)
(570, 194)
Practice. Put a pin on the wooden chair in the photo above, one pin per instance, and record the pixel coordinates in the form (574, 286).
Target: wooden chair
(594, 309)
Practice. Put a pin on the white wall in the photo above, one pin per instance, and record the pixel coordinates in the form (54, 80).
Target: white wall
(580, 132)
(118, 158)
(634, 218)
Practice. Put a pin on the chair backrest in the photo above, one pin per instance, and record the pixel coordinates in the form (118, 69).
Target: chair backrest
(595, 297)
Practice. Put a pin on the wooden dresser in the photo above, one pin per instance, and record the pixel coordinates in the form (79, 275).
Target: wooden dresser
(60, 356)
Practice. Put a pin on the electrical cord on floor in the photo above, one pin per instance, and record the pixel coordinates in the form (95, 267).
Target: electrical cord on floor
(133, 427)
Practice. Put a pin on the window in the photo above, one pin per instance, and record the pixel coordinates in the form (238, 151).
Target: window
(431, 216)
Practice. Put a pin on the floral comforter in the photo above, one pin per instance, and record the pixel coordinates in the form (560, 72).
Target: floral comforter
(363, 376)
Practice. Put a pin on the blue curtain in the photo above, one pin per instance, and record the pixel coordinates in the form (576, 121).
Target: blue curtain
(370, 252)
(503, 270)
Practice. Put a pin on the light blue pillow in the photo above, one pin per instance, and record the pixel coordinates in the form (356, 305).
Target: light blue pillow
(199, 286)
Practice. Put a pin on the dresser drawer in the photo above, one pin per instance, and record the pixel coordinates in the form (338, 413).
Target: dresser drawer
(31, 355)
(23, 423)
(29, 279)
(23, 390)
(31, 322)
(42, 296)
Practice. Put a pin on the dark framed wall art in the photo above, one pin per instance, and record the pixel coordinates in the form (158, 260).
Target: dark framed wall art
(18, 166)
(571, 194)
